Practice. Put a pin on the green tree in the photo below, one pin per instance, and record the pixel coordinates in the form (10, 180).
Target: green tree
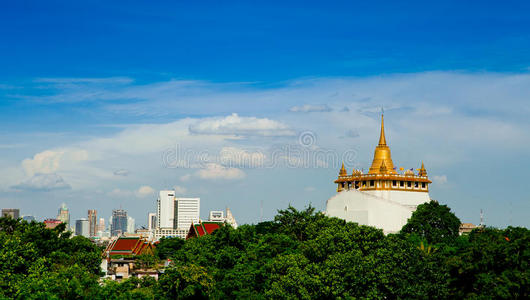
(492, 264)
(36, 260)
(146, 261)
(129, 289)
(167, 247)
(433, 222)
(185, 282)
(300, 255)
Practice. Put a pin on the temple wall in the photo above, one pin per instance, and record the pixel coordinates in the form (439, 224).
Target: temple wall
(402, 197)
(387, 210)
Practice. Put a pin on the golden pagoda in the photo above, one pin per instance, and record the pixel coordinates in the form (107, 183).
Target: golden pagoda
(382, 154)
(382, 174)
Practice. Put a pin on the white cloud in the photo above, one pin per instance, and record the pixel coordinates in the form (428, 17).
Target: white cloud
(352, 133)
(50, 161)
(185, 177)
(216, 171)
(42, 182)
(145, 191)
(244, 126)
(120, 193)
(439, 179)
(43, 162)
(310, 189)
(122, 172)
(307, 108)
(142, 192)
(236, 157)
(180, 190)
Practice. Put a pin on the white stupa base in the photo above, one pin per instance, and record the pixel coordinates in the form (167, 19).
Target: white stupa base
(387, 210)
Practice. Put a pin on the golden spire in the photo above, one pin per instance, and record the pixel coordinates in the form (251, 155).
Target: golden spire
(382, 154)
(382, 140)
(422, 171)
(343, 171)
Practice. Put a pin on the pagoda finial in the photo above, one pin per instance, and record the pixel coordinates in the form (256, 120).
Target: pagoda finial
(343, 171)
(422, 171)
(382, 140)
(382, 151)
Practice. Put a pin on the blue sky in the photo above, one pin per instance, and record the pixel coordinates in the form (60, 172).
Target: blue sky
(92, 94)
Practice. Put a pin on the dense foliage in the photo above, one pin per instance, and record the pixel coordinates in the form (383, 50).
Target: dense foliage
(433, 222)
(301, 254)
(41, 263)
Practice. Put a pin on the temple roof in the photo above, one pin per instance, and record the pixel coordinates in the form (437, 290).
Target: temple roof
(203, 228)
(129, 246)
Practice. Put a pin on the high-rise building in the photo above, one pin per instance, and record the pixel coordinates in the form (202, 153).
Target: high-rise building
(187, 212)
(119, 222)
(151, 221)
(175, 215)
(63, 215)
(11, 212)
(165, 214)
(92, 222)
(219, 216)
(130, 225)
(101, 225)
(216, 216)
(82, 227)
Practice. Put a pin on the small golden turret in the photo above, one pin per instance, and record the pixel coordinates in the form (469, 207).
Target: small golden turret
(343, 171)
(422, 171)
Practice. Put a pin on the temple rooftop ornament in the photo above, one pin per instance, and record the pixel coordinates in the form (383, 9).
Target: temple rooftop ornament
(343, 171)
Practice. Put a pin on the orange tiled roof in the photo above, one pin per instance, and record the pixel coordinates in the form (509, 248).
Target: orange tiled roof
(203, 228)
(128, 246)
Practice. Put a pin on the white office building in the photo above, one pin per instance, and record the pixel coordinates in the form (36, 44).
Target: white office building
(187, 212)
(216, 216)
(131, 226)
(175, 215)
(82, 227)
(219, 216)
(165, 214)
(151, 221)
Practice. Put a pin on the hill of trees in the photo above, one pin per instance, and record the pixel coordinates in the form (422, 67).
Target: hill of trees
(300, 255)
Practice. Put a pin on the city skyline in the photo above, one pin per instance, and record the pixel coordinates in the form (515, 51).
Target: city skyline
(218, 102)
